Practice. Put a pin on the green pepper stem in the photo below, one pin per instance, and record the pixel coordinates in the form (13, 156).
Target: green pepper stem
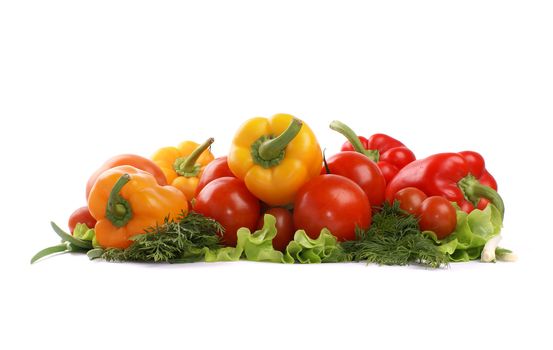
(273, 148)
(64, 247)
(186, 166)
(118, 209)
(474, 190)
(352, 137)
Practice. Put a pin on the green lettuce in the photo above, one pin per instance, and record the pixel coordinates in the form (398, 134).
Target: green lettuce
(83, 232)
(258, 246)
(472, 232)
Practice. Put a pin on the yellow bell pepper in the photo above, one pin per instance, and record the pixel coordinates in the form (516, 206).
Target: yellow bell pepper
(275, 157)
(183, 165)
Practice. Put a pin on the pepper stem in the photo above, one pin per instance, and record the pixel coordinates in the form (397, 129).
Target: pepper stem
(118, 209)
(474, 191)
(348, 132)
(186, 166)
(273, 148)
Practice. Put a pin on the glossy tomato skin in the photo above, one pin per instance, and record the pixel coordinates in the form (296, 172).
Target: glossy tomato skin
(334, 202)
(361, 170)
(215, 169)
(284, 226)
(437, 214)
(228, 201)
(410, 199)
(81, 216)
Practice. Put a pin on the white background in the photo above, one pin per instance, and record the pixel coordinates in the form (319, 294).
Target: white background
(83, 81)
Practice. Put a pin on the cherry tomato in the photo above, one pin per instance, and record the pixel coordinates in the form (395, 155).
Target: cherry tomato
(334, 202)
(361, 170)
(228, 201)
(410, 199)
(81, 216)
(437, 215)
(215, 169)
(128, 159)
(284, 226)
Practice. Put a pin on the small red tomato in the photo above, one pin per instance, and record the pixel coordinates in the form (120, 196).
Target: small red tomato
(361, 170)
(437, 215)
(284, 226)
(334, 202)
(81, 216)
(228, 201)
(215, 169)
(410, 199)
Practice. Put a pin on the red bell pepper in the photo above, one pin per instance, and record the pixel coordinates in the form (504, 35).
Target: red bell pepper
(459, 177)
(389, 154)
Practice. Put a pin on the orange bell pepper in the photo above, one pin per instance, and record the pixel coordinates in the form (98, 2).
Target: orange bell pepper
(183, 165)
(125, 201)
(275, 157)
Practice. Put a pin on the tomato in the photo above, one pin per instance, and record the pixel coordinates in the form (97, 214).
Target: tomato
(215, 169)
(228, 201)
(81, 216)
(334, 202)
(437, 214)
(284, 226)
(410, 199)
(361, 170)
(132, 160)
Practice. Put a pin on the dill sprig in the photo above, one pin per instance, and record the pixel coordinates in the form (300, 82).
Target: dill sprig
(394, 238)
(182, 239)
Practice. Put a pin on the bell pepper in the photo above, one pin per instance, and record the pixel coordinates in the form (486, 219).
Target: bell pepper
(275, 157)
(183, 165)
(388, 153)
(126, 200)
(127, 159)
(460, 177)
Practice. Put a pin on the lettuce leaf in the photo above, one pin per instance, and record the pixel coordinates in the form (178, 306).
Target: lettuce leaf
(258, 246)
(472, 232)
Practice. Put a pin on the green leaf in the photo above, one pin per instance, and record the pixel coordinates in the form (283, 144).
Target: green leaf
(258, 246)
(306, 250)
(471, 233)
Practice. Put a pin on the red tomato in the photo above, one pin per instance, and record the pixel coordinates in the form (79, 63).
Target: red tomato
(215, 169)
(81, 216)
(284, 226)
(361, 170)
(410, 199)
(437, 215)
(334, 202)
(128, 159)
(228, 201)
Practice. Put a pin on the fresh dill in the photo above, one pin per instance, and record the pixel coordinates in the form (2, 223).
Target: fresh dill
(394, 238)
(182, 239)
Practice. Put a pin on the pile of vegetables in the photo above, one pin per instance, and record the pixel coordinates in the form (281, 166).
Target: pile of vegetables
(275, 198)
